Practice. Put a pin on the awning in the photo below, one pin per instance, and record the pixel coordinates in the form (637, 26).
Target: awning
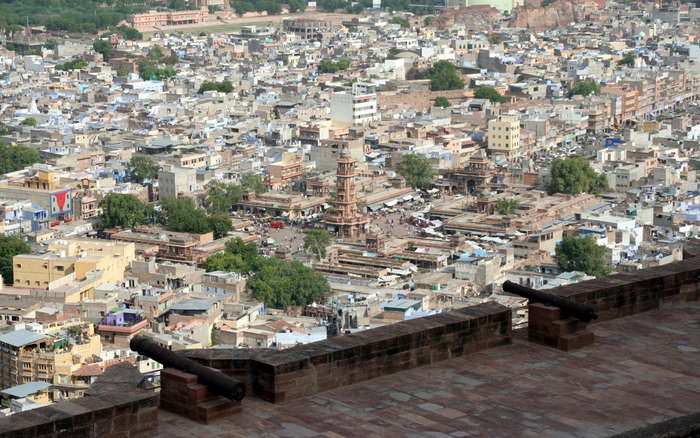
(375, 207)
(407, 198)
(391, 203)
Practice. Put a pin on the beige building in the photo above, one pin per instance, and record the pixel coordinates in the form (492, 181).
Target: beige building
(29, 357)
(74, 267)
(175, 182)
(504, 136)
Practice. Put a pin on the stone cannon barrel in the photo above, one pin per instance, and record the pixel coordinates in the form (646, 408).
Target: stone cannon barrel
(216, 381)
(582, 312)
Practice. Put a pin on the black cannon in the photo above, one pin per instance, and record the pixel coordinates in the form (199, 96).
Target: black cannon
(217, 382)
(582, 312)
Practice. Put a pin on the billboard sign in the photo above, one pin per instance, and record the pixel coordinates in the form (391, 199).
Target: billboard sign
(61, 202)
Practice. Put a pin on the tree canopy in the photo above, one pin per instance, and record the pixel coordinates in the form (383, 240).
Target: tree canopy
(575, 175)
(582, 254)
(316, 242)
(296, 5)
(279, 283)
(123, 210)
(104, 47)
(328, 66)
(75, 64)
(417, 170)
(16, 157)
(275, 282)
(400, 21)
(142, 168)
(443, 76)
(489, 93)
(154, 70)
(507, 207)
(253, 182)
(221, 197)
(628, 59)
(442, 102)
(222, 87)
(584, 88)
(182, 215)
(242, 6)
(29, 121)
(10, 246)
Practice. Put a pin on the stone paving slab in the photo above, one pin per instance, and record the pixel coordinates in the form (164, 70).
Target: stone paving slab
(641, 370)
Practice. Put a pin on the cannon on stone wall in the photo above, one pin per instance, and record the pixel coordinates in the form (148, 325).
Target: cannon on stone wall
(216, 381)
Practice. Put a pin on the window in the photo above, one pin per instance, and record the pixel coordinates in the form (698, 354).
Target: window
(18, 266)
(60, 268)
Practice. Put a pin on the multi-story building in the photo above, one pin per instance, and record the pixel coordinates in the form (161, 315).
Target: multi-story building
(26, 356)
(357, 107)
(42, 186)
(74, 267)
(504, 136)
(154, 19)
(174, 182)
(307, 29)
(282, 172)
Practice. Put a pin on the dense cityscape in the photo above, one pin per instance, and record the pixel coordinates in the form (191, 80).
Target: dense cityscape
(262, 175)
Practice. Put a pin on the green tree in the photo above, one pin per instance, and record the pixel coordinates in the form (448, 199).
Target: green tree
(239, 256)
(128, 32)
(443, 76)
(279, 284)
(10, 246)
(507, 207)
(416, 170)
(584, 88)
(628, 59)
(316, 242)
(178, 5)
(393, 53)
(75, 64)
(427, 20)
(296, 5)
(142, 168)
(221, 197)
(400, 21)
(3, 129)
(582, 254)
(489, 93)
(16, 157)
(223, 87)
(496, 39)
(442, 102)
(253, 182)
(122, 210)
(183, 216)
(29, 121)
(328, 66)
(104, 47)
(156, 53)
(225, 261)
(575, 175)
(220, 224)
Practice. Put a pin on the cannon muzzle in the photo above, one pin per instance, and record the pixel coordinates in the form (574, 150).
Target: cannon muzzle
(217, 382)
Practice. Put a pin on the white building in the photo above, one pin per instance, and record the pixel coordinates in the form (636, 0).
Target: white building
(358, 107)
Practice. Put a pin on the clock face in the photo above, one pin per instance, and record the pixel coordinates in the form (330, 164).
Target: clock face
(61, 202)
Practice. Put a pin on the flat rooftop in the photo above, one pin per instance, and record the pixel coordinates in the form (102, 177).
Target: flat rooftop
(641, 370)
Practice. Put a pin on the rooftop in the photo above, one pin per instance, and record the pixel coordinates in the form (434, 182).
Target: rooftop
(523, 389)
(26, 389)
(19, 338)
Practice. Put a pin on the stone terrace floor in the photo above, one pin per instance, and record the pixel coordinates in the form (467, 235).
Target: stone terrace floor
(642, 369)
